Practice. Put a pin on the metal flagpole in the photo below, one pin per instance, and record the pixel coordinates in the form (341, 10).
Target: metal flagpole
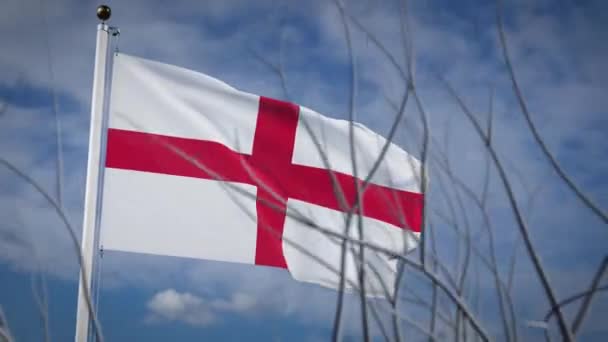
(84, 308)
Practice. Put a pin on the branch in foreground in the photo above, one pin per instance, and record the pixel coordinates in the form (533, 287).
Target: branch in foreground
(580, 316)
(5, 333)
(72, 235)
(459, 302)
(523, 228)
(541, 143)
(501, 288)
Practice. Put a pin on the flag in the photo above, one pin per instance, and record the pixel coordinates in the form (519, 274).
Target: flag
(198, 169)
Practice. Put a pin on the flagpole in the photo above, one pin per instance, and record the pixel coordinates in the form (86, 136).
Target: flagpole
(84, 306)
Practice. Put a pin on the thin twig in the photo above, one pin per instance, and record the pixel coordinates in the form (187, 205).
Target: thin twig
(306, 221)
(523, 228)
(541, 143)
(582, 311)
(58, 131)
(499, 285)
(42, 303)
(574, 298)
(72, 234)
(5, 332)
(486, 179)
(370, 245)
(39, 293)
(353, 158)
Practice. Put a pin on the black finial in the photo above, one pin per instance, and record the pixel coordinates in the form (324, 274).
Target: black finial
(104, 12)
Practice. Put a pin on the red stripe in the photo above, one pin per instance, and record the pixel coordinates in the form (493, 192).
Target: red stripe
(270, 164)
(275, 135)
(138, 151)
(397, 207)
(146, 152)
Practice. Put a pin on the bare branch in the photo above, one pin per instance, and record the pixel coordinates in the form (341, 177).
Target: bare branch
(486, 179)
(3, 108)
(41, 298)
(493, 264)
(58, 131)
(71, 232)
(582, 311)
(353, 158)
(541, 143)
(574, 298)
(302, 219)
(459, 302)
(546, 284)
(5, 332)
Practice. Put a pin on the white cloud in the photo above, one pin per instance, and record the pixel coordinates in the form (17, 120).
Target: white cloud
(239, 302)
(171, 305)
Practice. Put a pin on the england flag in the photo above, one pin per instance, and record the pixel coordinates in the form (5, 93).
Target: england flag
(198, 169)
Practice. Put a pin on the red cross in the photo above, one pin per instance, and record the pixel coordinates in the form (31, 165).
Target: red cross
(271, 164)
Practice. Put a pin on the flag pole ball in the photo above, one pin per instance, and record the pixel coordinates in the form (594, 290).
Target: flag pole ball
(104, 12)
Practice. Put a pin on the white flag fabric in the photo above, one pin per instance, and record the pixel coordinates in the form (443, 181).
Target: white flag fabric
(196, 168)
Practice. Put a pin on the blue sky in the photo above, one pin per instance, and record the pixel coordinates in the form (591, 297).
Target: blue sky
(559, 57)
